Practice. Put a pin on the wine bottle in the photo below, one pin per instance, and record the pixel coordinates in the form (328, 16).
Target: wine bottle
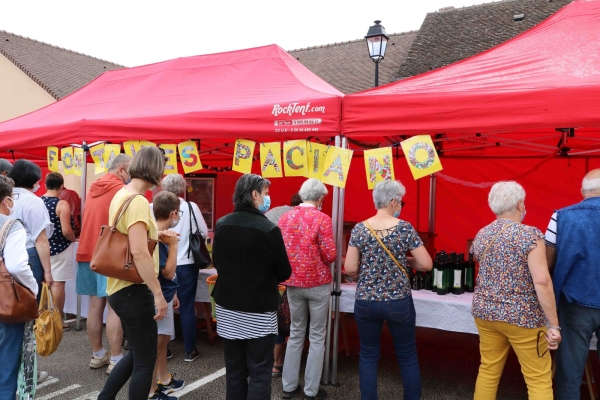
(420, 283)
(469, 274)
(434, 272)
(451, 260)
(442, 275)
(427, 281)
(457, 272)
(414, 282)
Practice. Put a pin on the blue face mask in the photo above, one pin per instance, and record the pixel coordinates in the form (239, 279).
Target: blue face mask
(264, 207)
(397, 214)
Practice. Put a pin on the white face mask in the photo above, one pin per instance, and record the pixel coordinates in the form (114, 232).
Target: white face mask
(152, 188)
(175, 223)
(11, 210)
(36, 187)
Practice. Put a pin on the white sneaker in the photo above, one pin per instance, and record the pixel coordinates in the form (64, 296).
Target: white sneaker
(111, 365)
(41, 376)
(99, 362)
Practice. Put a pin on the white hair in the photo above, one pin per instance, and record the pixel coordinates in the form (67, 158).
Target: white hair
(174, 183)
(590, 185)
(386, 191)
(312, 190)
(505, 196)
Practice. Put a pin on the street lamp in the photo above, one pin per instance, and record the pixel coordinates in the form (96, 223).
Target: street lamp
(377, 42)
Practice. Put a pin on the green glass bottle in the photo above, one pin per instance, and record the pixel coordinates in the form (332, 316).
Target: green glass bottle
(469, 275)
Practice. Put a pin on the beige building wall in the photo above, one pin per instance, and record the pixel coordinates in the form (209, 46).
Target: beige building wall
(18, 93)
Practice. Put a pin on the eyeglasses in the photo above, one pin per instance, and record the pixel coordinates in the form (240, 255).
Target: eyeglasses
(15, 196)
(537, 347)
(180, 213)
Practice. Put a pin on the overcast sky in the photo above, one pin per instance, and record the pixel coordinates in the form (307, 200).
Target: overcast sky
(134, 33)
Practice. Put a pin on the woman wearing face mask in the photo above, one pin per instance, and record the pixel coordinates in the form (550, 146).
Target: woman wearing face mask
(377, 253)
(514, 302)
(32, 212)
(187, 272)
(308, 237)
(250, 257)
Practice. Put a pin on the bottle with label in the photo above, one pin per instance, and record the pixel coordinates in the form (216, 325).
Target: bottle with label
(434, 271)
(469, 275)
(442, 275)
(457, 287)
(420, 281)
(414, 282)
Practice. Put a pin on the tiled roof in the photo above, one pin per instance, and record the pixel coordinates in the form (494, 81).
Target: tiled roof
(450, 35)
(347, 66)
(57, 70)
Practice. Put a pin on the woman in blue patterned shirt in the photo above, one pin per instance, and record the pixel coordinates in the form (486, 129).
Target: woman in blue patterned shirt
(383, 291)
(514, 298)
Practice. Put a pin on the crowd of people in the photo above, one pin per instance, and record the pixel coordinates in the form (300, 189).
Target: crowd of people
(527, 282)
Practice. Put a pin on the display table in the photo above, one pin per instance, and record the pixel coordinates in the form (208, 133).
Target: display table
(449, 312)
(202, 295)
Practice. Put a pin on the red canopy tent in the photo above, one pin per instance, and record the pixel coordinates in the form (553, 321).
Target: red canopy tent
(524, 110)
(258, 93)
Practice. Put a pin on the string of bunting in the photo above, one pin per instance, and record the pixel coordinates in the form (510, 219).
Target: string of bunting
(303, 158)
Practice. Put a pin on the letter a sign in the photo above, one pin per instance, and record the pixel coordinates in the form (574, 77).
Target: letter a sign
(379, 165)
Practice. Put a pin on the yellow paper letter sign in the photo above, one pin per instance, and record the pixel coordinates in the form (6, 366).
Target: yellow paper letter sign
(190, 159)
(337, 164)
(78, 158)
(66, 155)
(379, 166)
(296, 163)
(97, 153)
(242, 156)
(270, 160)
(421, 156)
(316, 159)
(131, 147)
(52, 153)
(145, 143)
(170, 153)
(110, 152)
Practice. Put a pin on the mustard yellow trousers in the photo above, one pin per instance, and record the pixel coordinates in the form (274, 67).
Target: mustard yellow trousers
(495, 340)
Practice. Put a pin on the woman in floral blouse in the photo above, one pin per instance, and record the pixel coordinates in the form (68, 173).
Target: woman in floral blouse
(514, 298)
(383, 291)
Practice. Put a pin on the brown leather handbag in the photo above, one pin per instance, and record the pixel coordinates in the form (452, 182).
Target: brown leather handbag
(112, 256)
(17, 303)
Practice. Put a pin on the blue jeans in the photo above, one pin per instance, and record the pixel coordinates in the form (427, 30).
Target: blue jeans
(187, 278)
(135, 306)
(400, 318)
(36, 267)
(577, 325)
(11, 341)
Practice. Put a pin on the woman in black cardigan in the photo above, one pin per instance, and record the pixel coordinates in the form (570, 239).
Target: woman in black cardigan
(251, 259)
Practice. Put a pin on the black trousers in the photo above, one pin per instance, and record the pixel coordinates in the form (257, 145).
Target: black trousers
(249, 363)
(135, 306)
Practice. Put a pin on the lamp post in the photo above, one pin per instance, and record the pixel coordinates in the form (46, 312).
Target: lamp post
(377, 43)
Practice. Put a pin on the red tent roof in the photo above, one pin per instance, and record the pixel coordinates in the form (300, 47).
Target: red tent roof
(255, 93)
(543, 79)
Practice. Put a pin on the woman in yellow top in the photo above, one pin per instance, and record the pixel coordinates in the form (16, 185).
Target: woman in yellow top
(138, 305)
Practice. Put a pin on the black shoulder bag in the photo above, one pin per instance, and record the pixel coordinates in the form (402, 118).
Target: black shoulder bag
(197, 246)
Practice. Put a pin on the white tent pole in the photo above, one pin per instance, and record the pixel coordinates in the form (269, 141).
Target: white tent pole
(337, 279)
(334, 218)
(83, 188)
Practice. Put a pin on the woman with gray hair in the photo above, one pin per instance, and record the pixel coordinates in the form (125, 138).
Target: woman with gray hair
(514, 298)
(250, 258)
(377, 253)
(308, 237)
(187, 272)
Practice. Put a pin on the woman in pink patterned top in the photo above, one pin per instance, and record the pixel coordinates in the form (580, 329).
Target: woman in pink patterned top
(308, 237)
(514, 299)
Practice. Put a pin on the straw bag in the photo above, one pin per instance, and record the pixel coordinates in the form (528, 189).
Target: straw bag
(112, 256)
(17, 303)
(48, 327)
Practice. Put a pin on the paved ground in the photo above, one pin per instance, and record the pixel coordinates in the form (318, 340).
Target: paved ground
(449, 363)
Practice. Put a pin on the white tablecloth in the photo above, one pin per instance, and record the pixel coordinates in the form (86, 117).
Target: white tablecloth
(449, 312)
(202, 295)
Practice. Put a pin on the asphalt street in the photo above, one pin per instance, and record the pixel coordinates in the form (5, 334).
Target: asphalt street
(449, 363)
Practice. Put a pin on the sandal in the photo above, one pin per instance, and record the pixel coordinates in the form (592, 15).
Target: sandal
(279, 369)
(66, 327)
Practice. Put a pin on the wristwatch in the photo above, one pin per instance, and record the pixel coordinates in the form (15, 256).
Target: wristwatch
(554, 327)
